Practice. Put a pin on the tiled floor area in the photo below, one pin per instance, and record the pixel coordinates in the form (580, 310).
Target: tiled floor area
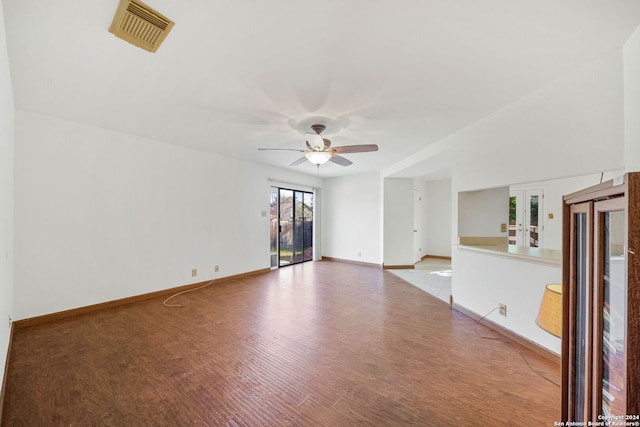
(431, 275)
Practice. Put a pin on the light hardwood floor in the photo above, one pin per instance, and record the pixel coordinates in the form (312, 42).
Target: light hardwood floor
(318, 344)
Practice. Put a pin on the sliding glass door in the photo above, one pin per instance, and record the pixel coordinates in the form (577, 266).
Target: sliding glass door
(291, 226)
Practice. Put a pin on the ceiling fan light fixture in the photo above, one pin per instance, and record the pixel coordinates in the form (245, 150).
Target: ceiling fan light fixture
(318, 157)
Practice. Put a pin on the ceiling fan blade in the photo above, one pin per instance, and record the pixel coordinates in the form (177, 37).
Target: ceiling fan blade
(300, 160)
(363, 148)
(281, 149)
(327, 143)
(342, 161)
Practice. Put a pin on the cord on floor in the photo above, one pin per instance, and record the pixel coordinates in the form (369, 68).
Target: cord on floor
(184, 292)
(478, 321)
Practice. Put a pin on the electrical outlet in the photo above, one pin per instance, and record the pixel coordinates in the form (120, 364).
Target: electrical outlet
(216, 268)
(503, 309)
(194, 272)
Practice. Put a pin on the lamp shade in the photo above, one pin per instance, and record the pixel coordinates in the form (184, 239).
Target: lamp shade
(550, 313)
(318, 157)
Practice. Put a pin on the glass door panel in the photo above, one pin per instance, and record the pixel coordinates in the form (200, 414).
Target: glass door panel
(515, 223)
(308, 227)
(534, 202)
(609, 369)
(516, 217)
(286, 213)
(580, 311)
(298, 229)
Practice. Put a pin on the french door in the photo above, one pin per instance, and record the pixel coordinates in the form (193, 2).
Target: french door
(291, 226)
(525, 218)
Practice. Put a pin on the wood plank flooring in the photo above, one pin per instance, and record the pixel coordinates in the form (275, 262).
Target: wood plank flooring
(318, 344)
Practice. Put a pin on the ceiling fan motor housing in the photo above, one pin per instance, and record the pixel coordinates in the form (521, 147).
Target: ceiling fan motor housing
(319, 128)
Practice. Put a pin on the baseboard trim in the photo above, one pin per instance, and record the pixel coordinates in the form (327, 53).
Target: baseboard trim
(398, 267)
(348, 261)
(6, 373)
(37, 320)
(513, 336)
(435, 257)
(383, 266)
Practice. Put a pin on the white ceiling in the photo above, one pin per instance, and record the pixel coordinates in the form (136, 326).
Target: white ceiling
(233, 76)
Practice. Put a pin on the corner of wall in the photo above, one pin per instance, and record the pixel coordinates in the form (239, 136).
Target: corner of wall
(7, 144)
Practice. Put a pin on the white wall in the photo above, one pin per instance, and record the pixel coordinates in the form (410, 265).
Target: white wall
(436, 218)
(632, 102)
(101, 215)
(6, 197)
(398, 221)
(352, 216)
(481, 213)
(571, 127)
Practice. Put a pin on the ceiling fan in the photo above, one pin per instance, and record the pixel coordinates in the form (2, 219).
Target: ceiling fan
(319, 149)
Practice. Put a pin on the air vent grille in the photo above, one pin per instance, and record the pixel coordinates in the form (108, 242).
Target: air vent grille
(140, 25)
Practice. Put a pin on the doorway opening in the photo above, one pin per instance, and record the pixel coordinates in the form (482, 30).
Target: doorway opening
(291, 226)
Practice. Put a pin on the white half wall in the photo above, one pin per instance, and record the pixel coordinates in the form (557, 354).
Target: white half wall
(352, 213)
(484, 280)
(101, 215)
(6, 197)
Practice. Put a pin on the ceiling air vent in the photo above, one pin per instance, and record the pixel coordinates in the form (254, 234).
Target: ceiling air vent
(140, 25)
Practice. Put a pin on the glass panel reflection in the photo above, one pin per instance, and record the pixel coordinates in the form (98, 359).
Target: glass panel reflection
(533, 221)
(581, 319)
(298, 232)
(308, 227)
(613, 314)
(286, 227)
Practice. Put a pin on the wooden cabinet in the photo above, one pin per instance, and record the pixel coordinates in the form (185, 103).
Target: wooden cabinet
(601, 302)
